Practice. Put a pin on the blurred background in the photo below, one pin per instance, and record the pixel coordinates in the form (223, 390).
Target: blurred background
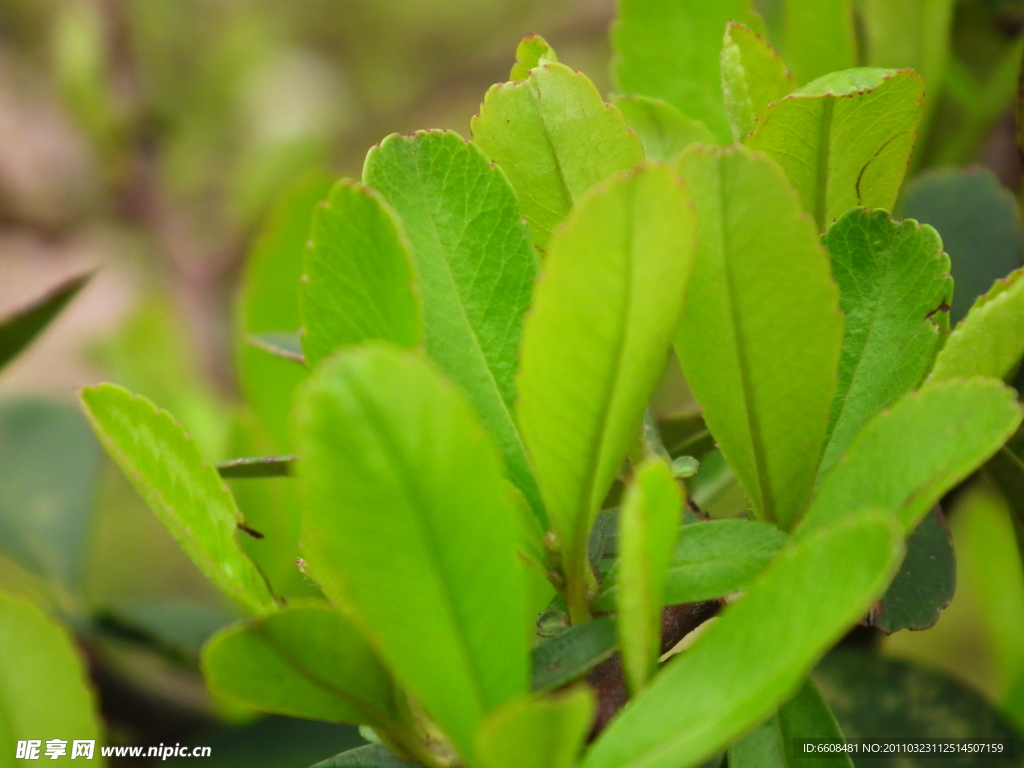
(166, 143)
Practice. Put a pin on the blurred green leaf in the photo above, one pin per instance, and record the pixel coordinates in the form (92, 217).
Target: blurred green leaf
(753, 76)
(44, 693)
(259, 466)
(18, 329)
(979, 224)
(634, 233)
(571, 654)
(358, 278)
(893, 292)
(763, 292)
(476, 271)
(906, 458)
(555, 138)
(170, 624)
(650, 61)
(925, 583)
(844, 140)
(758, 652)
(531, 53)
(664, 131)
(820, 38)
(770, 745)
(537, 731)
(47, 489)
(286, 346)
(407, 522)
(166, 468)
(370, 756)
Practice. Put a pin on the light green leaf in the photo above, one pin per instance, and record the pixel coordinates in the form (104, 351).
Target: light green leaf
(820, 38)
(758, 653)
(648, 524)
(188, 496)
(556, 138)
(20, 328)
(906, 458)
(537, 731)
(753, 76)
(664, 131)
(595, 346)
(476, 271)
(845, 139)
(533, 51)
(268, 302)
(760, 335)
(671, 50)
(44, 693)
(358, 280)
(894, 292)
(990, 340)
(408, 523)
(770, 745)
(304, 661)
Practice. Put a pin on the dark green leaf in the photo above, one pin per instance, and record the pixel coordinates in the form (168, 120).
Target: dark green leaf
(259, 466)
(573, 653)
(663, 130)
(370, 756)
(18, 329)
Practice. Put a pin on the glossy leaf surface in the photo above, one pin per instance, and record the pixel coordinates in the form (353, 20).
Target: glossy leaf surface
(820, 38)
(753, 76)
(537, 731)
(664, 131)
(18, 329)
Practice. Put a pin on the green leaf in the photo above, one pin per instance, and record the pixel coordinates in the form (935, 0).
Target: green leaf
(537, 731)
(357, 282)
(164, 465)
(979, 224)
(760, 335)
(571, 654)
(906, 458)
(258, 466)
(51, 471)
(44, 693)
(596, 343)
(753, 76)
(303, 661)
(18, 329)
(894, 292)
(925, 583)
(476, 271)
(664, 131)
(671, 51)
(268, 302)
(408, 523)
(713, 559)
(648, 525)
(845, 139)
(758, 652)
(820, 38)
(533, 51)
(556, 138)
(770, 745)
(990, 340)
(370, 756)
(286, 346)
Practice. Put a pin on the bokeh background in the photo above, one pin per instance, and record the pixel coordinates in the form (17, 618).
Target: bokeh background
(150, 141)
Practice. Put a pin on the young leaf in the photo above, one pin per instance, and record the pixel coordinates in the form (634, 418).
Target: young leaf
(476, 271)
(556, 138)
(370, 756)
(845, 139)
(407, 521)
(906, 458)
(770, 745)
(712, 559)
(44, 691)
(531, 53)
(164, 465)
(595, 345)
(820, 38)
(894, 290)
(664, 131)
(650, 519)
(537, 731)
(760, 335)
(753, 76)
(990, 340)
(303, 661)
(357, 282)
(573, 653)
(671, 51)
(756, 655)
(19, 329)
